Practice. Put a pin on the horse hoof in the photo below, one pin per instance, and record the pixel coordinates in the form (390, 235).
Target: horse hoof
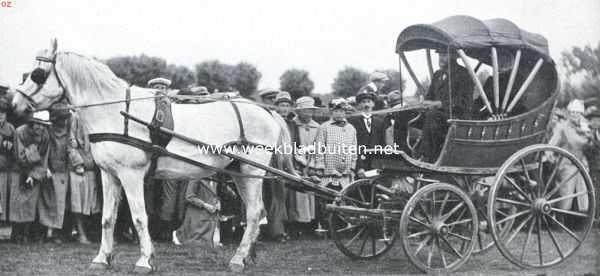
(99, 266)
(236, 268)
(142, 270)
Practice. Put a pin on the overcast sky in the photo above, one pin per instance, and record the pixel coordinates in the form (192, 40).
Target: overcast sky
(319, 36)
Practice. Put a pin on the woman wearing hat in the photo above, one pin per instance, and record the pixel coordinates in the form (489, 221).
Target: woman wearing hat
(82, 177)
(334, 156)
(31, 149)
(301, 206)
(53, 195)
(8, 175)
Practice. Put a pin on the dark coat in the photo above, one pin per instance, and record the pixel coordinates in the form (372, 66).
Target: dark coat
(462, 91)
(369, 140)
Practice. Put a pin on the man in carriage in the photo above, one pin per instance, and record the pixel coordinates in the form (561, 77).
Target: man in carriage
(452, 85)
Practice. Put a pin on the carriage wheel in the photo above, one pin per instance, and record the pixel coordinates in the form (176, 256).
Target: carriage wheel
(547, 227)
(479, 192)
(361, 236)
(438, 228)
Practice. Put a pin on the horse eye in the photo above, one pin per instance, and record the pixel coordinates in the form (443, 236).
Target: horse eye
(39, 76)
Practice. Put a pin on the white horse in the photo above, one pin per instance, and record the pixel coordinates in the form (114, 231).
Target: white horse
(85, 81)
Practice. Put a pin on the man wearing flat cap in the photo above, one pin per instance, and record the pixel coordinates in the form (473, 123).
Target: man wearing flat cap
(376, 82)
(278, 214)
(284, 104)
(369, 130)
(170, 188)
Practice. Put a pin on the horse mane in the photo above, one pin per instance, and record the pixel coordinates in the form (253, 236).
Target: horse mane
(89, 75)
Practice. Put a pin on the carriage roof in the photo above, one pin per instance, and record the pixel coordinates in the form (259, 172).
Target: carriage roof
(469, 33)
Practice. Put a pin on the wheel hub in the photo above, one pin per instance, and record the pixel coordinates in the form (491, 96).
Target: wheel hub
(542, 206)
(439, 228)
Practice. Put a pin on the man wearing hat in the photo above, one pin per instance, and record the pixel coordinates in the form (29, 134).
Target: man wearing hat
(267, 95)
(8, 174)
(301, 206)
(284, 104)
(278, 208)
(376, 82)
(31, 149)
(370, 130)
(450, 78)
(170, 188)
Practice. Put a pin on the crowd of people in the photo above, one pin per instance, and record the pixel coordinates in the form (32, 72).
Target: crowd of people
(50, 186)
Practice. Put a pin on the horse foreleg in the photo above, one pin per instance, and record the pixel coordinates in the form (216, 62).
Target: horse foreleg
(111, 191)
(250, 190)
(133, 184)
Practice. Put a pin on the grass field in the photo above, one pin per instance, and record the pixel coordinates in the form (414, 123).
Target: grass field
(293, 258)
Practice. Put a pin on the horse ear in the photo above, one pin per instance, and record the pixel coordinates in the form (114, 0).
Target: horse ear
(53, 46)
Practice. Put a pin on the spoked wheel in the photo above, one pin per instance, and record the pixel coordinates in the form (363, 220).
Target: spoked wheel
(368, 233)
(479, 192)
(554, 201)
(438, 228)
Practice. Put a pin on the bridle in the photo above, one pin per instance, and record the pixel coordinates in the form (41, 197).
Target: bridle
(40, 76)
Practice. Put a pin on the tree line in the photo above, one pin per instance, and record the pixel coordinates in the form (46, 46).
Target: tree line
(243, 77)
(581, 67)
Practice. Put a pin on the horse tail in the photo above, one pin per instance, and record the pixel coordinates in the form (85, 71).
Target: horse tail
(284, 157)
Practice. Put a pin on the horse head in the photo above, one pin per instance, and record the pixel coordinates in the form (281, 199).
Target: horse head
(43, 87)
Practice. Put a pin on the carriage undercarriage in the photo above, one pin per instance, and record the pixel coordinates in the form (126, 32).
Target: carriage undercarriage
(441, 219)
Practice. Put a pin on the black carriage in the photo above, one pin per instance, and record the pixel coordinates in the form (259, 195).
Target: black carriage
(495, 182)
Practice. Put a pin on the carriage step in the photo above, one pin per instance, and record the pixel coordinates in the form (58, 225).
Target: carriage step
(356, 210)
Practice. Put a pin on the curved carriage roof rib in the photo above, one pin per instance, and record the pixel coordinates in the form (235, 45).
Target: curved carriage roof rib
(466, 32)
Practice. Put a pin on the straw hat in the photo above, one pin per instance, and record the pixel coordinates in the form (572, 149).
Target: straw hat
(283, 97)
(305, 102)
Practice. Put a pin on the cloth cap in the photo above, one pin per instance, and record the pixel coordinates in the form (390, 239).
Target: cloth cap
(59, 111)
(378, 76)
(576, 106)
(365, 95)
(305, 102)
(268, 92)
(162, 81)
(283, 97)
(199, 90)
(394, 97)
